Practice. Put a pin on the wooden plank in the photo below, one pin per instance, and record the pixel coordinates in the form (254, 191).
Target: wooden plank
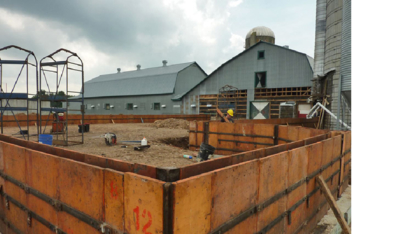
(203, 167)
(336, 151)
(244, 129)
(120, 165)
(15, 166)
(293, 133)
(145, 170)
(273, 179)
(234, 190)
(17, 217)
(225, 128)
(143, 204)
(264, 130)
(192, 135)
(304, 133)
(45, 181)
(96, 160)
(222, 115)
(2, 204)
(274, 150)
(200, 136)
(314, 163)
(333, 204)
(87, 181)
(282, 133)
(72, 225)
(1, 157)
(297, 164)
(192, 205)
(114, 198)
(327, 148)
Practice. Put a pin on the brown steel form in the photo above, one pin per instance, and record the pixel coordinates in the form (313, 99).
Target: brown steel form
(22, 96)
(55, 98)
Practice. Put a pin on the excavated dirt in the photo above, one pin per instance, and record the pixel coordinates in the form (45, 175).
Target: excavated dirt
(172, 124)
(167, 144)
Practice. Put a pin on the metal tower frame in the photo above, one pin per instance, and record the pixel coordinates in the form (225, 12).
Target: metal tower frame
(66, 65)
(19, 96)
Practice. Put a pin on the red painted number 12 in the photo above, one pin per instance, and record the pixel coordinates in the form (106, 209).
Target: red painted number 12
(136, 212)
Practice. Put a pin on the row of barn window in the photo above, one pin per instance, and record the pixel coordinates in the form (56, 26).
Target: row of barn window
(128, 106)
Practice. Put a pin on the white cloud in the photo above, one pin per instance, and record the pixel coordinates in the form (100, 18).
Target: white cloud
(235, 3)
(236, 45)
(14, 21)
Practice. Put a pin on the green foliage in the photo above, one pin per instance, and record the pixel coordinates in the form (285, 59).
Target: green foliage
(45, 96)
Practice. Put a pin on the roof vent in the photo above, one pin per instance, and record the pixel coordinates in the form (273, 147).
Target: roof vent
(164, 63)
(138, 67)
(118, 70)
(286, 46)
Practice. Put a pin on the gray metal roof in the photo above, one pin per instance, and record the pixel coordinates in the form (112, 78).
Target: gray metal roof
(310, 60)
(150, 81)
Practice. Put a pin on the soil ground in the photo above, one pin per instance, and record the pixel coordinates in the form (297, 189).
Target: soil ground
(167, 145)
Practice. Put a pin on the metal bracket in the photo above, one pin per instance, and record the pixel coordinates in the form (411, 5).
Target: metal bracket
(29, 218)
(56, 204)
(289, 217)
(7, 203)
(106, 229)
(167, 174)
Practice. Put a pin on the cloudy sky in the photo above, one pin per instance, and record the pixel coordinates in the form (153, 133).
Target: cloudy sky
(111, 34)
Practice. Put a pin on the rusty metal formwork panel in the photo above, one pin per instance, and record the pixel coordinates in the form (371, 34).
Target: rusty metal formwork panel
(267, 190)
(143, 204)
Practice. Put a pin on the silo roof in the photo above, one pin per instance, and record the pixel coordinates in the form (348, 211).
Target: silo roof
(261, 31)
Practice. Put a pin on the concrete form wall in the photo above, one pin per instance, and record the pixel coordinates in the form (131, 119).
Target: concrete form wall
(284, 68)
(277, 195)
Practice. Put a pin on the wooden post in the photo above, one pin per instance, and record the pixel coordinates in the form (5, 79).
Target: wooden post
(222, 115)
(333, 204)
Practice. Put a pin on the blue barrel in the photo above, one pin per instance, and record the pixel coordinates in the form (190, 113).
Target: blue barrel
(45, 139)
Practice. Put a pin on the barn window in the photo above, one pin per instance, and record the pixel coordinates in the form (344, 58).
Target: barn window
(156, 106)
(107, 106)
(260, 79)
(129, 106)
(260, 54)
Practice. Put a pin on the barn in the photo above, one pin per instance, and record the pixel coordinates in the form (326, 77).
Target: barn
(263, 81)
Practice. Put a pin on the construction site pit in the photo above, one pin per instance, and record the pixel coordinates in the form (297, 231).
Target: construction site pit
(168, 140)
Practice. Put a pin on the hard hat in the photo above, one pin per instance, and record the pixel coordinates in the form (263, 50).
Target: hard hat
(230, 112)
(61, 114)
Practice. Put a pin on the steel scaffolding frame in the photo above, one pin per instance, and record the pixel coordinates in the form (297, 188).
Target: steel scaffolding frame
(51, 61)
(19, 96)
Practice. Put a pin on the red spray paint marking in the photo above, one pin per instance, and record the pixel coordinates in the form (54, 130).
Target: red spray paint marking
(113, 190)
(136, 211)
(148, 224)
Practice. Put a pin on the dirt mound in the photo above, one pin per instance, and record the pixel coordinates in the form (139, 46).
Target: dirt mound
(172, 123)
